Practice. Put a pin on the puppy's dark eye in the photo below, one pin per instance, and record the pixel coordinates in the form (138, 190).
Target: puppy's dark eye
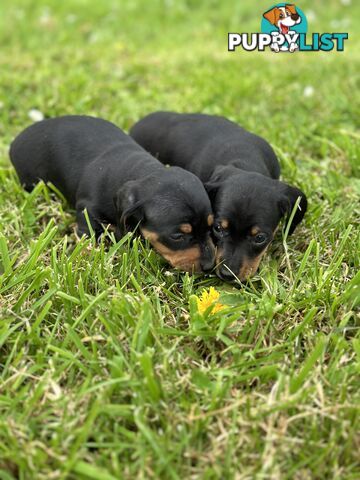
(281, 15)
(218, 230)
(177, 236)
(260, 238)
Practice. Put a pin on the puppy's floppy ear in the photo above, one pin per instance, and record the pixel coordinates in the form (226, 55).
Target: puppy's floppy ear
(270, 15)
(286, 203)
(212, 186)
(129, 207)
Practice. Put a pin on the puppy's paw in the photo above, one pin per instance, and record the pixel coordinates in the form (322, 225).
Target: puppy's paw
(275, 47)
(293, 47)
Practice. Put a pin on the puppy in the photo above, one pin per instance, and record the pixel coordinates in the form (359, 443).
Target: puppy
(240, 172)
(101, 169)
(283, 18)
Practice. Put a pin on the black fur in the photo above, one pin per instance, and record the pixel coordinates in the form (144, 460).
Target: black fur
(98, 167)
(241, 174)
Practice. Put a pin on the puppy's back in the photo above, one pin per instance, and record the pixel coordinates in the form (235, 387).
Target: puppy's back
(201, 142)
(57, 150)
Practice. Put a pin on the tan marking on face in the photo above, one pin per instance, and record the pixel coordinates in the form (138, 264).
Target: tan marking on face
(255, 230)
(186, 228)
(210, 220)
(224, 223)
(250, 266)
(219, 256)
(187, 260)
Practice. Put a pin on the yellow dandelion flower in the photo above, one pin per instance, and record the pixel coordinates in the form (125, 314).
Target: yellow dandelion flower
(208, 299)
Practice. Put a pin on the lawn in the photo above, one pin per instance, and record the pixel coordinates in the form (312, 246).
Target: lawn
(107, 371)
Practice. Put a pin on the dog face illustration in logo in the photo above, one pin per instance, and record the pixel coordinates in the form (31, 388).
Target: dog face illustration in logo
(283, 18)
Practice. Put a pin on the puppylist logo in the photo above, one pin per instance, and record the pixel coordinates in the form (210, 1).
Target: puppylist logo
(284, 29)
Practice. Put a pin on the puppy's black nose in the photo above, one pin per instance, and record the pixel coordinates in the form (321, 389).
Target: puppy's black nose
(224, 273)
(207, 261)
(295, 16)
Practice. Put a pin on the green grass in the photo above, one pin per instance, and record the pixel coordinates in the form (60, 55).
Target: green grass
(106, 369)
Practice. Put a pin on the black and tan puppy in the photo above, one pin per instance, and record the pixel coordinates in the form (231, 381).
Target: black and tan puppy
(98, 167)
(240, 172)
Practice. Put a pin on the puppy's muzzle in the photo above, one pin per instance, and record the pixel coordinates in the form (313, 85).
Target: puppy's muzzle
(207, 260)
(225, 274)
